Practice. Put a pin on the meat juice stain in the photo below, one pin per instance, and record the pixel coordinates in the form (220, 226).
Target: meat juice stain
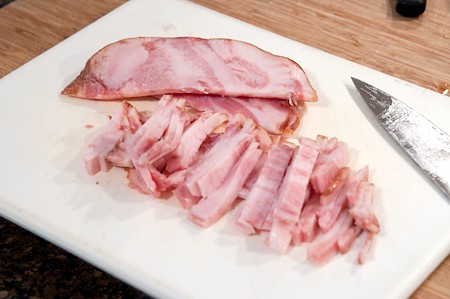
(443, 88)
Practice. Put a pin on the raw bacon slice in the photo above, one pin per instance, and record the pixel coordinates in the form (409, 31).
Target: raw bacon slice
(261, 197)
(353, 183)
(292, 195)
(326, 246)
(333, 156)
(346, 239)
(192, 139)
(364, 252)
(139, 145)
(144, 66)
(150, 174)
(251, 180)
(307, 227)
(135, 182)
(152, 130)
(362, 209)
(333, 200)
(211, 170)
(168, 142)
(210, 209)
(274, 116)
(119, 157)
(131, 123)
(95, 155)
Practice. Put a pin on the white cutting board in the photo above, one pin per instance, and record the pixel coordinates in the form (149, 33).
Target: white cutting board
(149, 243)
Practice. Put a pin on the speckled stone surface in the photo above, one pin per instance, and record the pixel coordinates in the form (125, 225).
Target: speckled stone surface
(31, 267)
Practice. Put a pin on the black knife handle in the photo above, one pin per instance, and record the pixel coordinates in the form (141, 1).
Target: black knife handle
(410, 8)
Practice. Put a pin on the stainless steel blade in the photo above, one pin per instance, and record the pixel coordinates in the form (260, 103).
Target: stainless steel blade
(424, 142)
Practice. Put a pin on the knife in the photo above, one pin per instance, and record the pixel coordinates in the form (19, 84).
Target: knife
(423, 141)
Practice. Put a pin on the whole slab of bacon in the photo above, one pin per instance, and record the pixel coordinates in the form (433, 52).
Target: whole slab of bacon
(144, 66)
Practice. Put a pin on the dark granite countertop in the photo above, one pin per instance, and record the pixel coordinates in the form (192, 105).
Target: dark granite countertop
(31, 267)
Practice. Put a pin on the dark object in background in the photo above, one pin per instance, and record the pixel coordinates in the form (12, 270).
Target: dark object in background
(410, 8)
(4, 2)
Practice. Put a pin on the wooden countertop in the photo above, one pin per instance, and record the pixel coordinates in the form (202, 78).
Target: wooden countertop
(367, 32)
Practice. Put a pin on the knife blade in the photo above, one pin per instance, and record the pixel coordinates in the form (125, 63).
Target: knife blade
(424, 142)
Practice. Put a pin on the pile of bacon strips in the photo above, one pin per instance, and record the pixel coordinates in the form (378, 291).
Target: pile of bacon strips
(223, 134)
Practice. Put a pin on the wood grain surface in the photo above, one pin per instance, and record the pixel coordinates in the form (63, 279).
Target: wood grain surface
(367, 32)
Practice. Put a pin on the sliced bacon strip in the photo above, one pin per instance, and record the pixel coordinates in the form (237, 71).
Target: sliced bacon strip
(326, 246)
(263, 193)
(292, 195)
(152, 130)
(274, 116)
(192, 139)
(346, 240)
(169, 141)
(353, 183)
(139, 145)
(362, 209)
(150, 174)
(119, 157)
(253, 177)
(211, 170)
(210, 209)
(131, 122)
(333, 156)
(365, 250)
(144, 66)
(333, 200)
(135, 182)
(307, 227)
(96, 154)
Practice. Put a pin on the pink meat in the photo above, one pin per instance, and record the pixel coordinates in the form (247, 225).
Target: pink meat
(292, 195)
(119, 156)
(333, 200)
(139, 145)
(346, 240)
(206, 175)
(144, 66)
(214, 206)
(152, 130)
(154, 179)
(326, 246)
(367, 246)
(192, 139)
(169, 141)
(176, 179)
(135, 182)
(307, 227)
(253, 177)
(223, 158)
(362, 210)
(333, 156)
(274, 116)
(353, 183)
(265, 139)
(115, 132)
(261, 197)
